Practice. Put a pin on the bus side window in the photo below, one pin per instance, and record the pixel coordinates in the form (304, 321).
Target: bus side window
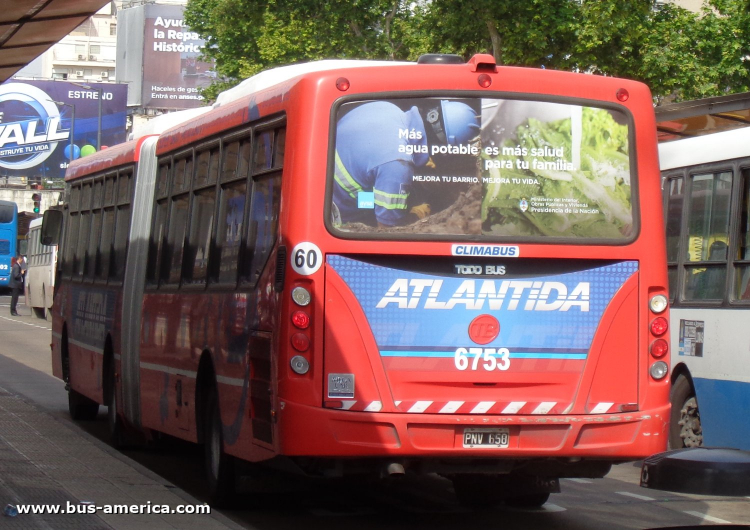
(83, 230)
(199, 237)
(93, 255)
(157, 238)
(178, 218)
(673, 214)
(122, 225)
(264, 224)
(708, 234)
(742, 272)
(225, 254)
(108, 228)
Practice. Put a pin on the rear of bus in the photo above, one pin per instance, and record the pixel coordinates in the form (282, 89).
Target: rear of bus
(517, 329)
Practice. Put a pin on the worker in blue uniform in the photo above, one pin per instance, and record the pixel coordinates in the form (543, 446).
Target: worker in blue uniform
(378, 148)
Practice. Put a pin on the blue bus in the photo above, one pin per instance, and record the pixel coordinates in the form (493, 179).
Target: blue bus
(8, 238)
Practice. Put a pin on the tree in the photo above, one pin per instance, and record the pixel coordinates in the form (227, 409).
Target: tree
(678, 53)
(246, 36)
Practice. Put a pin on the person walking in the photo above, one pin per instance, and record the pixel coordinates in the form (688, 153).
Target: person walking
(16, 282)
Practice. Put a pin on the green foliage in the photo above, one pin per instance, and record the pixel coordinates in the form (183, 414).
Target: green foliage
(679, 54)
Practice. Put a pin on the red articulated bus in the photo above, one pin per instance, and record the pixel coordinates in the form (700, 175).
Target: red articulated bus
(369, 267)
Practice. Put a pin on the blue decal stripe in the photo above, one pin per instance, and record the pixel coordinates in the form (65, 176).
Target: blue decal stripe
(450, 355)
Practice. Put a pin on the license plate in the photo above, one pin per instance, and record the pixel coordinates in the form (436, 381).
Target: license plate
(486, 437)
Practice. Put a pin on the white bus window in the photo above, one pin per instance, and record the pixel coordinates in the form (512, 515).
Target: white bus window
(708, 234)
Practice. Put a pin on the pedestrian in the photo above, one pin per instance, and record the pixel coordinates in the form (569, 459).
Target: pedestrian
(16, 283)
(378, 148)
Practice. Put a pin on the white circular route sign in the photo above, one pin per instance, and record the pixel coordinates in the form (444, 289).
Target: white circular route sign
(306, 258)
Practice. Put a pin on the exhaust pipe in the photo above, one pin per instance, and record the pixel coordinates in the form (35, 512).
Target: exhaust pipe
(394, 469)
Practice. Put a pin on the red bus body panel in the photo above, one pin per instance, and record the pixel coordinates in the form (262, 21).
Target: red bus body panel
(402, 406)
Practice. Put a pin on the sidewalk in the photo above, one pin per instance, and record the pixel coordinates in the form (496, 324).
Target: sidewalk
(46, 461)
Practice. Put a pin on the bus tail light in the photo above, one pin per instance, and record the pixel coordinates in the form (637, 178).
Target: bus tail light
(300, 365)
(658, 304)
(659, 348)
(659, 326)
(300, 319)
(300, 338)
(659, 370)
(300, 342)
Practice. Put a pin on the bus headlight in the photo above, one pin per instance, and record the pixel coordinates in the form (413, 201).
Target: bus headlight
(659, 370)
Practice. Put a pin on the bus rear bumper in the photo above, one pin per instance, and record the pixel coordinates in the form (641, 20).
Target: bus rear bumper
(311, 431)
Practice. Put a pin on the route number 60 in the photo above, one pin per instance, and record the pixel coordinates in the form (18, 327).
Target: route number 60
(306, 258)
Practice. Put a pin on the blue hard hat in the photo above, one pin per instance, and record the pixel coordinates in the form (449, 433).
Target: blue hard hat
(461, 122)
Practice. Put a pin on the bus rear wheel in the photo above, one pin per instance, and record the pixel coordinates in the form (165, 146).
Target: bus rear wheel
(114, 422)
(685, 420)
(219, 466)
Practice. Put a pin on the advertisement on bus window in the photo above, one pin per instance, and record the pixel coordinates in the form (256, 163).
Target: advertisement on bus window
(45, 124)
(482, 167)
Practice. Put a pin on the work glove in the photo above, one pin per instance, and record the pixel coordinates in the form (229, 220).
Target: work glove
(421, 210)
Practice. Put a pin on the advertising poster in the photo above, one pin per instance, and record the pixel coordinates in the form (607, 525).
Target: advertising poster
(483, 167)
(172, 73)
(37, 130)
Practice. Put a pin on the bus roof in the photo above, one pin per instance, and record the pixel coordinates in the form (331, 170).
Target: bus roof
(161, 123)
(110, 158)
(724, 145)
(274, 76)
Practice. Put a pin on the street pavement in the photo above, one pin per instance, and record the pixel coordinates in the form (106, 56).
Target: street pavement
(48, 463)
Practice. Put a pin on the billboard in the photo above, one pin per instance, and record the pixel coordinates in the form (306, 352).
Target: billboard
(159, 56)
(45, 123)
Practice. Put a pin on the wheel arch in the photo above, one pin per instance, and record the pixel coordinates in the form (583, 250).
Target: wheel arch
(681, 369)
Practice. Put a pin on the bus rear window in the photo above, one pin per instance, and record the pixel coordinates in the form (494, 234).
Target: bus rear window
(494, 168)
(6, 213)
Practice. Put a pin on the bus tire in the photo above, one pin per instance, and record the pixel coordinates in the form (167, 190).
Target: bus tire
(532, 500)
(684, 419)
(80, 407)
(114, 423)
(219, 466)
(479, 492)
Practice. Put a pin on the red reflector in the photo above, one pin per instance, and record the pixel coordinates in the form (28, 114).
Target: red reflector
(659, 348)
(333, 404)
(342, 83)
(622, 95)
(659, 326)
(300, 342)
(484, 80)
(300, 319)
(629, 407)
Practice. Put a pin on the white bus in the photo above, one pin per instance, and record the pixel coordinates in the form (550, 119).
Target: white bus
(706, 186)
(40, 275)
